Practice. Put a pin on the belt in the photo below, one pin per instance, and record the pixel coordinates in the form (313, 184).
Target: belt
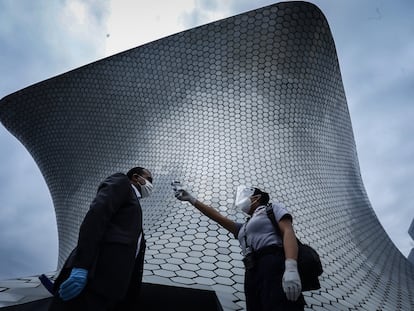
(266, 250)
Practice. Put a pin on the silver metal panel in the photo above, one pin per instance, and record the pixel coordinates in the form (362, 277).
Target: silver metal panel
(256, 98)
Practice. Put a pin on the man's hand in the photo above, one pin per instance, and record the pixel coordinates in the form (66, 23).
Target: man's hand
(291, 280)
(184, 195)
(74, 285)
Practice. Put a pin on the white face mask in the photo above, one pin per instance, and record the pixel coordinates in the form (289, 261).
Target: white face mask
(146, 189)
(244, 205)
(242, 200)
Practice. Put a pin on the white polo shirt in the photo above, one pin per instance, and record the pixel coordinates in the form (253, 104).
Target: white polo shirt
(259, 229)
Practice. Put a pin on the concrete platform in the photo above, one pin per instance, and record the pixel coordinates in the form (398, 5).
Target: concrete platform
(155, 297)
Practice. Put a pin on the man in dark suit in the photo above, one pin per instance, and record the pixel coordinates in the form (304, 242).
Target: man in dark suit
(104, 271)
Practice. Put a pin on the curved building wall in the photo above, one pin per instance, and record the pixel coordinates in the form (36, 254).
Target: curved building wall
(252, 99)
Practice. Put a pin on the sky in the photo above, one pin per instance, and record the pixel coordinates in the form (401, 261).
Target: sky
(41, 39)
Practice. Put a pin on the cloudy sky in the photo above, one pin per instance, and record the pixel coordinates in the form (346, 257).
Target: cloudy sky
(41, 39)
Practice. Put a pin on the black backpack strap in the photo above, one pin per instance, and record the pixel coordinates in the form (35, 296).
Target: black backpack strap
(271, 215)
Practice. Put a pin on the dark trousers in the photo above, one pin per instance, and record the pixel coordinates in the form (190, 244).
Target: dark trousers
(91, 301)
(263, 285)
(131, 300)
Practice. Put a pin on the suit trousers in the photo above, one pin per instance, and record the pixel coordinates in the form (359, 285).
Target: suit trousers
(91, 301)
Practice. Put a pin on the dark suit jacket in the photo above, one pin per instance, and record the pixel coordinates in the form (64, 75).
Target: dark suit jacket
(108, 239)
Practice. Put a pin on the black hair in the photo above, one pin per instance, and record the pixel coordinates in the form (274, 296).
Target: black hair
(264, 196)
(135, 170)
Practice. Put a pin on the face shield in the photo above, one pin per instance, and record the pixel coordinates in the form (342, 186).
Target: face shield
(242, 198)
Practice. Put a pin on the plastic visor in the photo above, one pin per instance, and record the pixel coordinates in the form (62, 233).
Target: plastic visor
(243, 192)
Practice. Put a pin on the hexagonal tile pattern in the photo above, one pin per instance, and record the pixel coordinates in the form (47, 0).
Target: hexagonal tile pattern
(252, 99)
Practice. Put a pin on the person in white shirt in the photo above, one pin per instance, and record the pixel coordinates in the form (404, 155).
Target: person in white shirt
(272, 281)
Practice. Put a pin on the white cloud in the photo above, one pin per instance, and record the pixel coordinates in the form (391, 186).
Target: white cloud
(37, 43)
(133, 23)
(205, 12)
(42, 39)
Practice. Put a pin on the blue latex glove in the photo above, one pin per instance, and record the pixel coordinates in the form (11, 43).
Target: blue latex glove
(74, 285)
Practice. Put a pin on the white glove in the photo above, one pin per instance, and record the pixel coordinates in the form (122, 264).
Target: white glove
(184, 195)
(291, 280)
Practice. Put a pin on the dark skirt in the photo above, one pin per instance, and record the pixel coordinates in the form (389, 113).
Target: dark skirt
(263, 283)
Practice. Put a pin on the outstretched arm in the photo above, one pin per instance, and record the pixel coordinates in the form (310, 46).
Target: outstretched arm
(207, 210)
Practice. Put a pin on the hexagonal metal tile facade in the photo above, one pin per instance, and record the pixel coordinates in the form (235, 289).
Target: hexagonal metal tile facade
(255, 99)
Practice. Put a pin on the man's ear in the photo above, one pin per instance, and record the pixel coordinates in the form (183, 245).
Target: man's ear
(136, 177)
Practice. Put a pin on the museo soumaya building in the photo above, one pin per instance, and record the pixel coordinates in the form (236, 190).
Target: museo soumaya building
(254, 99)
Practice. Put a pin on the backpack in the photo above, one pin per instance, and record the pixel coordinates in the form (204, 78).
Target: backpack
(309, 263)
